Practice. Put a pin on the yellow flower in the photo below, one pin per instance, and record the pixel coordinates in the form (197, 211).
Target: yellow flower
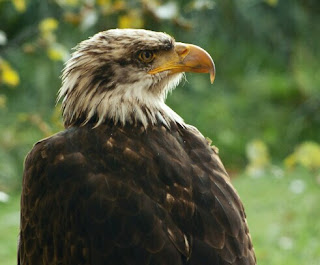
(272, 2)
(103, 2)
(48, 25)
(20, 5)
(57, 52)
(131, 20)
(306, 154)
(8, 75)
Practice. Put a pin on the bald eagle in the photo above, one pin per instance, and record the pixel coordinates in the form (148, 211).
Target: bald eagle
(128, 182)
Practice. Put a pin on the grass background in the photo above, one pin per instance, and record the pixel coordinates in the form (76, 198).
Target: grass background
(9, 229)
(283, 212)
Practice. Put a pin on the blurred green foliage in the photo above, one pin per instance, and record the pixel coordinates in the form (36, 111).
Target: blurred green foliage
(266, 54)
(263, 109)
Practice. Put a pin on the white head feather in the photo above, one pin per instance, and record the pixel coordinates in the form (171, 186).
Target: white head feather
(102, 81)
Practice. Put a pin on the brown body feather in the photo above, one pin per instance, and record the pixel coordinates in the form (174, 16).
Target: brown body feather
(129, 195)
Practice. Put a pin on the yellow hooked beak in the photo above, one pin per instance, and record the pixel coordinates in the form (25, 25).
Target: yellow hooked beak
(185, 58)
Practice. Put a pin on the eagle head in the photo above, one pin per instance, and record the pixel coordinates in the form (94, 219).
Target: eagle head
(124, 76)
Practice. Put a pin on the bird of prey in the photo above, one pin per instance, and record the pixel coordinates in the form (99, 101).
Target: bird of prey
(128, 182)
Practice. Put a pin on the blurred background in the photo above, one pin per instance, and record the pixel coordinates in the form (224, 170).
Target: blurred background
(262, 112)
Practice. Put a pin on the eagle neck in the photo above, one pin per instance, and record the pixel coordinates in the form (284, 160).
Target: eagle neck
(140, 103)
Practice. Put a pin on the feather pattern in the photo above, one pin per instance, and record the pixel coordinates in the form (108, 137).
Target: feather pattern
(127, 195)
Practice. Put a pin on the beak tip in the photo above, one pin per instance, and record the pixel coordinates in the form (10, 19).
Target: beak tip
(212, 77)
(212, 73)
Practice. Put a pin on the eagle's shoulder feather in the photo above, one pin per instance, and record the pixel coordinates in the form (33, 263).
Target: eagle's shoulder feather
(115, 192)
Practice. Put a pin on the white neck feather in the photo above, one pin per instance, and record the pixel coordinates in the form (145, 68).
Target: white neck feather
(133, 104)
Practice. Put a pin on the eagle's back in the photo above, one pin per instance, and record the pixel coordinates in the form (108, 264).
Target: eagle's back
(129, 195)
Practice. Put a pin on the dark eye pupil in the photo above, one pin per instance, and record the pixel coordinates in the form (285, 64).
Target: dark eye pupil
(147, 55)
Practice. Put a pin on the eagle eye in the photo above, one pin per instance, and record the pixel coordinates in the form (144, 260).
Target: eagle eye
(146, 56)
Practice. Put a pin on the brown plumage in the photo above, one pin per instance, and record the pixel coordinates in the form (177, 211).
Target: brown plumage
(116, 191)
